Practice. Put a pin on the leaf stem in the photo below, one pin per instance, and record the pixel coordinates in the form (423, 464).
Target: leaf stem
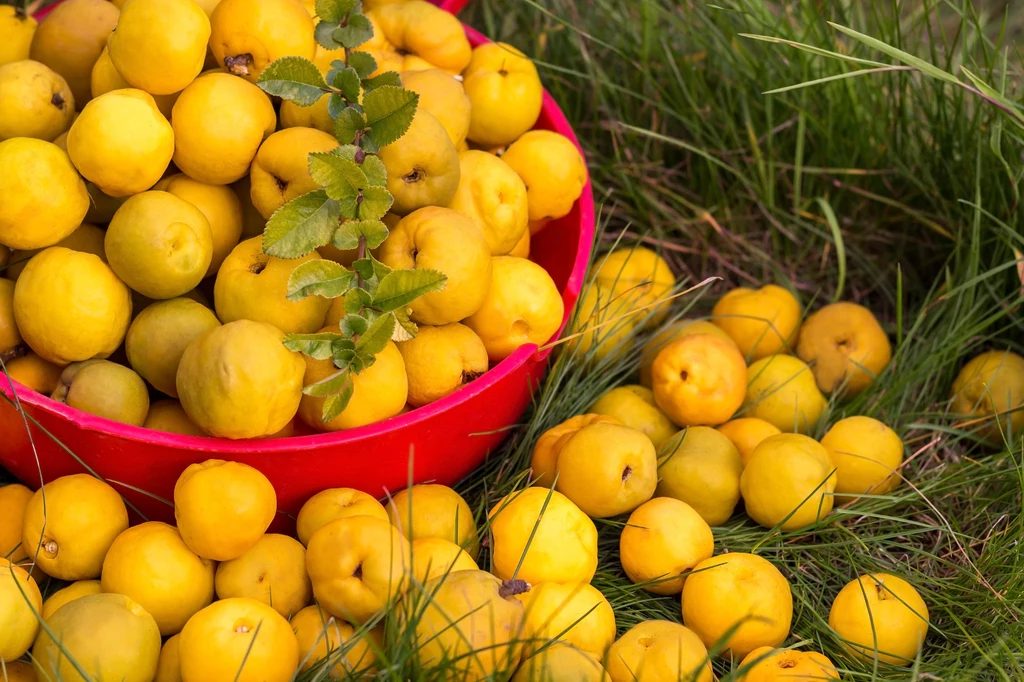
(361, 254)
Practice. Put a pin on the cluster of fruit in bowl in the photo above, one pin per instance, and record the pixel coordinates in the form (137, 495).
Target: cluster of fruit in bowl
(142, 159)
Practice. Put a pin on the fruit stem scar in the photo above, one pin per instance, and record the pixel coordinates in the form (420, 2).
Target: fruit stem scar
(511, 588)
(13, 353)
(626, 473)
(239, 65)
(468, 377)
(415, 175)
(51, 547)
(57, 100)
(358, 573)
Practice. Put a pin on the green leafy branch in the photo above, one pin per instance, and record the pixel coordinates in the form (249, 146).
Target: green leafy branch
(369, 113)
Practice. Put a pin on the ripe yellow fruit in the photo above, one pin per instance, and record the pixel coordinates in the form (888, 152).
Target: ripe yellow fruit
(867, 456)
(76, 590)
(280, 171)
(105, 389)
(219, 123)
(989, 390)
(663, 539)
(85, 239)
(575, 613)
(788, 482)
(273, 571)
(762, 321)
(151, 564)
(505, 94)
(229, 396)
(159, 245)
(564, 662)
(880, 617)
(69, 535)
(640, 278)
(169, 416)
(781, 390)
(254, 286)
(604, 325)
(358, 566)
(444, 240)
(607, 469)
(71, 306)
(158, 337)
(522, 306)
(563, 546)
(238, 639)
(702, 468)
(740, 595)
(221, 207)
(434, 511)
(108, 636)
(470, 620)
(17, 29)
(657, 650)
(379, 392)
(20, 601)
(522, 249)
(105, 78)
(42, 197)
(168, 667)
(441, 360)
(19, 671)
(36, 101)
(553, 169)
(70, 39)
(544, 458)
(699, 380)
(443, 96)
(746, 433)
(635, 407)
(253, 223)
(766, 664)
(435, 557)
(416, 35)
(9, 334)
(320, 634)
(494, 197)
(14, 499)
(35, 373)
(335, 503)
(247, 35)
(846, 347)
(152, 58)
(423, 166)
(223, 508)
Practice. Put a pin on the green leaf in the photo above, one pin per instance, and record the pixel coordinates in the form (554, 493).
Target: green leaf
(401, 287)
(379, 269)
(363, 63)
(389, 113)
(376, 173)
(300, 226)
(324, 34)
(320, 277)
(376, 202)
(341, 179)
(344, 356)
(355, 32)
(353, 325)
(316, 346)
(357, 299)
(362, 361)
(382, 79)
(347, 123)
(369, 145)
(905, 57)
(296, 79)
(335, 105)
(347, 236)
(346, 80)
(376, 338)
(364, 266)
(334, 10)
(336, 404)
(405, 329)
(332, 385)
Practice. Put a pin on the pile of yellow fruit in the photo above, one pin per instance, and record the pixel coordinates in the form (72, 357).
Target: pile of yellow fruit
(140, 162)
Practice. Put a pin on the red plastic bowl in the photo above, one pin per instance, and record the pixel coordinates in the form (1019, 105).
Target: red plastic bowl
(442, 442)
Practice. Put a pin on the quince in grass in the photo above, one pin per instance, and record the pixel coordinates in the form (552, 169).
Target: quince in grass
(442, 239)
(416, 35)
(251, 285)
(666, 336)
(105, 78)
(574, 613)
(663, 539)
(635, 407)
(607, 469)
(69, 536)
(435, 557)
(169, 416)
(553, 170)
(739, 602)
(604, 324)
(539, 535)
(989, 391)
(168, 667)
(522, 306)
(66, 595)
(746, 433)
(320, 635)
(846, 347)
(247, 35)
(238, 639)
(781, 390)
(657, 650)
(153, 58)
(20, 601)
(641, 277)
(358, 567)
(441, 360)
(14, 499)
(10, 337)
(85, 239)
(789, 482)
(35, 373)
(561, 662)
(105, 389)
(379, 392)
(335, 503)
(443, 96)
(152, 564)
(544, 458)
(107, 636)
(434, 511)
(219, 123)
(762, 321)
(867, 456)
(505, 94)
(34, 101)
(70, 39)
(219, 204)
(159, 245)
(17, 29)
(273, 571)
(766, 664)
(423, 166)
(702, 468)
(121, 142)
(494, 197)
(223, 508)
(280, 171)
(42, 197)
(699, 380)
(880, 617)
